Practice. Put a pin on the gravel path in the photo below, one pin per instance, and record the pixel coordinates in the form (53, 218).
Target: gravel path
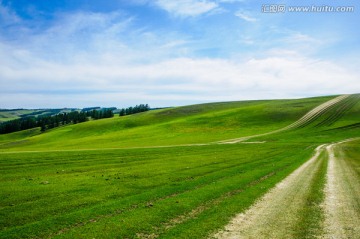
(276, 214)
(342, 197)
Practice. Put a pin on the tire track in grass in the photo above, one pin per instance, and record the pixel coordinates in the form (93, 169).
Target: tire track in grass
(181, 218)
(342, 198)
(232, 170)
(343, 107)
(201, 208)
(309, 117)
(279, 212)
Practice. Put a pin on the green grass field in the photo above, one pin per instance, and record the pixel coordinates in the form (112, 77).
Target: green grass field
(184, 125)
(113, 178)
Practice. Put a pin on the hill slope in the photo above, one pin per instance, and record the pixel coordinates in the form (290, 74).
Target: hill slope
(182, 192)
(182, 125)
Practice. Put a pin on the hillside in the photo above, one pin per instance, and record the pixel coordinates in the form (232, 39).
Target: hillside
(220, 170)
(182, 125)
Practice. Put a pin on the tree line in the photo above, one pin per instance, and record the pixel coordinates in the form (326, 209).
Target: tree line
(46, 122)
(49, 122)
(100, 114)
(133, 110)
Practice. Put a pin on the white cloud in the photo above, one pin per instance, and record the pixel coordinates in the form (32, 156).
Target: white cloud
(245, 16)
(87, 59)
(187, 8)
(165, 82)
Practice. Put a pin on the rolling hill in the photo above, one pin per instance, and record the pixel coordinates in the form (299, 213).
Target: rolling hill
(203, 123)
(189, 172)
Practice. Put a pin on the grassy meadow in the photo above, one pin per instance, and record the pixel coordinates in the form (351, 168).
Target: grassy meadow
(183, 125)
(113, 178)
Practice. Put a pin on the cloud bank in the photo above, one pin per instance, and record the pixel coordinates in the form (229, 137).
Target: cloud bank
(84, 59)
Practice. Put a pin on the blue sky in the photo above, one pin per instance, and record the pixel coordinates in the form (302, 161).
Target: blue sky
(79, 53)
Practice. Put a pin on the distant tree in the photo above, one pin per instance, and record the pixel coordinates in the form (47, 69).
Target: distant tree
(134, 110)
(82, 117)
(122, 112)
(110, 113)
(43, 127)
(57, 120)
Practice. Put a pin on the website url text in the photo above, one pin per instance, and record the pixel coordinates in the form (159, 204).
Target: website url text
(281, 8)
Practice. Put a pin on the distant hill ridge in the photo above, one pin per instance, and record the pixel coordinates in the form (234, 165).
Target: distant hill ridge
(193, 124)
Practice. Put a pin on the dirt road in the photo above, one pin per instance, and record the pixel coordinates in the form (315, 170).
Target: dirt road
(342, 197)
(276, 214)
(280, 212)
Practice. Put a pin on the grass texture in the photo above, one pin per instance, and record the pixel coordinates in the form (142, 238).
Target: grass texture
(114, 178)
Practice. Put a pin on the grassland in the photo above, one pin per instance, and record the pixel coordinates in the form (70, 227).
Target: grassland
(111, 179)
(184, 125)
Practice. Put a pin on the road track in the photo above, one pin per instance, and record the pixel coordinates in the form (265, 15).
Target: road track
(342, 197)
(277, 213)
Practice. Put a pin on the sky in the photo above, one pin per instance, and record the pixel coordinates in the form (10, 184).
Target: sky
(83, 53)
